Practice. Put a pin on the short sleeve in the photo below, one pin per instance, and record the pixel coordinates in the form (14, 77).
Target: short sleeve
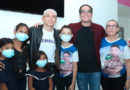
(75, 57)
(126, 52)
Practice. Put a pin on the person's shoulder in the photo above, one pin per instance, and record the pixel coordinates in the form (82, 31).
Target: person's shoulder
(56, 30)
(73, 45)
(122, 41)
(74, 24)
(97, 25)
(30, 73)
(39, 75)
(98, 28)
(33, 28)
(103, 40)
(73, 48)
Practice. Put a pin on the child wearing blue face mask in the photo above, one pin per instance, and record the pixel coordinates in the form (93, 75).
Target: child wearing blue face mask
(39, 78)
(21, 50)
(7, 81)
(66, 78)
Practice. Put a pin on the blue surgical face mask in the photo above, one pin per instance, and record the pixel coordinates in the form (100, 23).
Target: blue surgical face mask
(41, 63)
(65, 38)
(8, 53)
(21, 36)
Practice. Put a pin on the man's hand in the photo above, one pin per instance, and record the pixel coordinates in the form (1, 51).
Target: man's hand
(2, 66)
(37, 24)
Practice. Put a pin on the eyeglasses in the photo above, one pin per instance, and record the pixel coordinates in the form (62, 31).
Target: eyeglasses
(85, 11)
(111, 26)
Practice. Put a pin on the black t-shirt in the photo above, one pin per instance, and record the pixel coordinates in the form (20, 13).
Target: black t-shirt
(6, 76)
(87, 53)
(19, 60)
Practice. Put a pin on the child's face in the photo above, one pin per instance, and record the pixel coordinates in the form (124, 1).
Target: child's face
(42, 61)
(22, 29)
(21, 33)
(66, 35)
(66, 56)
(43, 57)
(7, 46)
(115, 51)
(111, 28)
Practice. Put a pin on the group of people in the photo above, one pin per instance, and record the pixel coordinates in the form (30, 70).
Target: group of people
(84, 52)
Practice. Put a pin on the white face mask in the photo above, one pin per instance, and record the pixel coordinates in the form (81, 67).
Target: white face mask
(66, 38)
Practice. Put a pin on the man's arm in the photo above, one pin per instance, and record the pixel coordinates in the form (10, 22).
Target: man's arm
(2, 66)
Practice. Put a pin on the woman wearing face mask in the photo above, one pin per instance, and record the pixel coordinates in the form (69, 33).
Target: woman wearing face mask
(68, 62)
(7, 81)
(39, 78)
(21, 49)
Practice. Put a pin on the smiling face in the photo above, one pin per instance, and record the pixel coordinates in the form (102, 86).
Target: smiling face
(112, 28)
(49, 19)
(86, 14)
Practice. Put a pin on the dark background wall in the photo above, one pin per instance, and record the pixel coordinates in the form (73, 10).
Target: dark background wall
(33, 6)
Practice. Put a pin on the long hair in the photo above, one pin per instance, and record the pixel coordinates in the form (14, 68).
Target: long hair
(16, 28)
(36, 57)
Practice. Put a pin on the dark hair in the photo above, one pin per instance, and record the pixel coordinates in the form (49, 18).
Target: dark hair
(5, 41)
(21, 25)
(36, 57)
(114, 21)
(114, 45)
(87, 6)
(65, 26)
(16, 28)
(66, 52)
